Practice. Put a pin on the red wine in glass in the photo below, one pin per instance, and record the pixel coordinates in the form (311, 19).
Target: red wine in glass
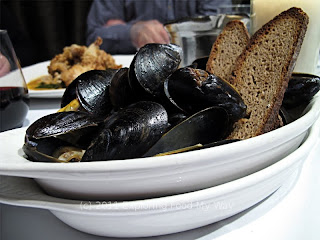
(14, 106)
(14, 98)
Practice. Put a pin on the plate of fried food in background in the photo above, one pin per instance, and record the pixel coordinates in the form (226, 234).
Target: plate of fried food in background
(49, 79)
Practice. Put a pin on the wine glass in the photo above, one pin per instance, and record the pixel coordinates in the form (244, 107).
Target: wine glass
(14, 98)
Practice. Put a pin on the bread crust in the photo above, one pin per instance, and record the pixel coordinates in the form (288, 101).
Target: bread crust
(257, 41)
(222, 58)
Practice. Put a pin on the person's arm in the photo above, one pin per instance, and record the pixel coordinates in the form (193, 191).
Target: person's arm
(143, 32)
(115, 35)
(107, 20)
(151, 31)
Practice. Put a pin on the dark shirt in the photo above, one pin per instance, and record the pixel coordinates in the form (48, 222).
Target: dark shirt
(116, 39)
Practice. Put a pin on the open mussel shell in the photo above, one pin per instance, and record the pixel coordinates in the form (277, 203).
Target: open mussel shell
(198, 147)
(129, 133)
(152, 64)
(193, 90)
(46, 149)
(73, 127)
(301, 88)
(204, 127)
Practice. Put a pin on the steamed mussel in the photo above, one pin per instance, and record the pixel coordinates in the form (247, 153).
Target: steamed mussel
(50, 134)
(154, 107)
(127, 133)
(204, 127)
(193, 90)
(91, 89)
(120, 91)
(151, 66)
(301, 89)
(129, 110)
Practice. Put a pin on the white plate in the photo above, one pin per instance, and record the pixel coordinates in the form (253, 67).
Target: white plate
(156, 176)
(158, 216)
(39, 69)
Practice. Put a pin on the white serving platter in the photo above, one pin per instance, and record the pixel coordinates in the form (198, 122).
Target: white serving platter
(34, 71)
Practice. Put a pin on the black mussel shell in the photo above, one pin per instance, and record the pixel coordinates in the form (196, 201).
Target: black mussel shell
(120, 92)
(199, 146)
(152, 64)
(193, 90)
(176, 118)
(301, 88)
(219, 143)
(74, 127)
(60, 123)
(70, 93)
(200, 63)
(129, 133)
(93, 91)
(285, 116)
(288, 115)
(43, 150)
(204, 127)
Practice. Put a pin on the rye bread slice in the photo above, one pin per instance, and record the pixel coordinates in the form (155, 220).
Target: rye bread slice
(230, 43)
(263, 70)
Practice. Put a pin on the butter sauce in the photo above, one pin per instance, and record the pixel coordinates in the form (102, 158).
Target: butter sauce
(44, 82)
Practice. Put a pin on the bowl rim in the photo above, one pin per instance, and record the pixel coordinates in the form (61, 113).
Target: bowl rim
(130, 207)
(282, 135)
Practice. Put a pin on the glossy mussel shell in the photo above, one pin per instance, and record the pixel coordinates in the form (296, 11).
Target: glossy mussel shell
(57, 130)
(200, 63)
(301, 88)
(60, 123)
(44, 150)
(129, 133)
(92, 90)
(300, 91)
(120, 92)
(151, 66)
(193, 90)
(204, 127)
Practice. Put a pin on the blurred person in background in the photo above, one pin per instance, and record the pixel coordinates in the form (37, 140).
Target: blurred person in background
(127, 25)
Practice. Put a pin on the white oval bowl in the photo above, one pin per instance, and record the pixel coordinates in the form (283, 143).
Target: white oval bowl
(156, 176)
(165, 215)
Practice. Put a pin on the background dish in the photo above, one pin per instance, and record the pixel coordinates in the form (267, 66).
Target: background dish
(153, 217)
(39, 69)
(152, 177)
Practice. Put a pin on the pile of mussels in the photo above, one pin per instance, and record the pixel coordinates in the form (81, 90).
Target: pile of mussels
(152, 107)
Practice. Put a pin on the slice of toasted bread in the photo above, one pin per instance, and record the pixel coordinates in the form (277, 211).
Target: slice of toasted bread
(230, 43)
(263, 70)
